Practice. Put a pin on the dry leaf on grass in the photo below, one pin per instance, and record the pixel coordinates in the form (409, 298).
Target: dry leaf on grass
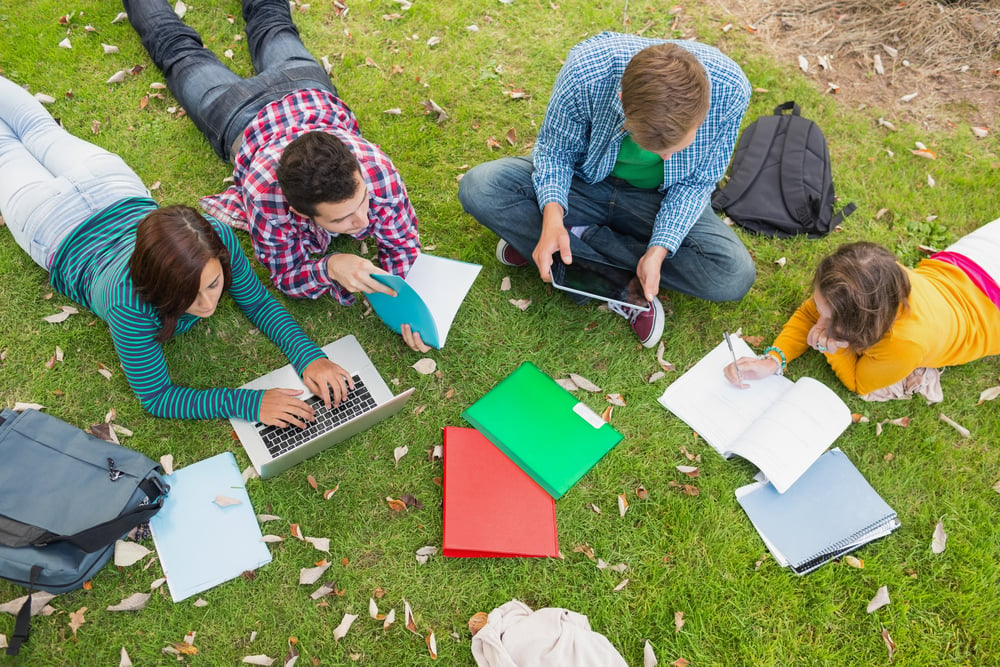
(432, 107)
(424, 554)
(264, 518)
(411, 625)
(259, 660)
(134, 602)
(478, 621)
(324, 590)
(310, 575)
(615, 399)
(658, 375)
(329, 492)
(200, 602)
(345, 625)
(395, 505)
(678, 620)
(988, 394)
(889, 644)
(425, 366)
(124, 660)
(964, 432)
(939, 539)
(690, 471)
(167, 463)
(584, 383)
(296, 531)
(620, 586)
(854, 562)
(39, 604)
(128, 553)
(648, 655)
(664, 364)
(400, 452)
(319, 543)
(432, 645)
(521, 303)
(597, 510)
(312, 482)
(505, 284)
(622, 504)
(76, 619)
(880, 600)
(62, 315)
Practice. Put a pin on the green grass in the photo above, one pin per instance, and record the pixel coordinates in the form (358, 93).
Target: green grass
(697, 555)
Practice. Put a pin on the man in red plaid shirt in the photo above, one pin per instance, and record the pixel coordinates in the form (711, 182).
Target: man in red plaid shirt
(303, 173)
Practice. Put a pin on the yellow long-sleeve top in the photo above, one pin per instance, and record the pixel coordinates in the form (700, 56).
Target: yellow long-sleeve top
(949, 321)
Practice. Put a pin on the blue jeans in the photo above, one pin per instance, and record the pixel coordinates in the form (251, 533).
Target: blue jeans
(221, 103)
(50, 181)
(711, 263)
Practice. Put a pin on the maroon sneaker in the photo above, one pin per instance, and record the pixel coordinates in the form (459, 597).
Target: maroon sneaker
(647, 324)
(508, 256)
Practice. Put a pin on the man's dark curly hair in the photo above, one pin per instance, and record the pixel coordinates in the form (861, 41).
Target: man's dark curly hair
(317, 168)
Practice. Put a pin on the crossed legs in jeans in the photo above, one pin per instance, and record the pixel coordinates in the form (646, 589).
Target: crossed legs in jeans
(221, 103)
(616, 220)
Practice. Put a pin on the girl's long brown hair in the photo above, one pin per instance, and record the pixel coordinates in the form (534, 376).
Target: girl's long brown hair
(865, 286)
(172, 246)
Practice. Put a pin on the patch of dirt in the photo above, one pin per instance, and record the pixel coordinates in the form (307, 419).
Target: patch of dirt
(921, 61)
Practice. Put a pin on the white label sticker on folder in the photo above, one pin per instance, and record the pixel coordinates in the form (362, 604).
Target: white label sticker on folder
(588, 415)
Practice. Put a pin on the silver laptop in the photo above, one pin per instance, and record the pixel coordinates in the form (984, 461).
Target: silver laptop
(273, 450)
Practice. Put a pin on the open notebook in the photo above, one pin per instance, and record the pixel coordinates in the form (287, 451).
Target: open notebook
(428, 299)
(779, 425)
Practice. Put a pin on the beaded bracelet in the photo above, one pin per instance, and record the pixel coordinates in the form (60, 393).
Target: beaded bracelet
(775, 353)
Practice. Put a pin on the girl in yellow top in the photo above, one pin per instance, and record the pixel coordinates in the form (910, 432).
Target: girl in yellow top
(877, 321)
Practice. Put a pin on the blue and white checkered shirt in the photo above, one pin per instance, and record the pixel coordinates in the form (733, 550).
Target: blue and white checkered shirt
(582, 130)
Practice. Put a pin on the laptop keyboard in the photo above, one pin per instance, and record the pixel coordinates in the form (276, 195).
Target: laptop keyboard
(279, 440)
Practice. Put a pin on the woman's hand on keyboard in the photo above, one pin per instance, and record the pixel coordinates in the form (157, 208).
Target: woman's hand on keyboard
(279, 407)
(328, 381)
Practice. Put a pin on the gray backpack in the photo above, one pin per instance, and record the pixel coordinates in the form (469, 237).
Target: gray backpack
(65, 498)
(780, 181)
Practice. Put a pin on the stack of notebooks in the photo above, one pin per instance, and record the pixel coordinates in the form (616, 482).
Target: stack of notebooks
(532, 441)
(812, 505)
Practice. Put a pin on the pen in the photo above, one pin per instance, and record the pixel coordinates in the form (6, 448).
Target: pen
(729, 342)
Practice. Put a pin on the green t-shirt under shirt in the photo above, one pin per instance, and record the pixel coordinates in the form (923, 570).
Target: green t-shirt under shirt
(638, 166)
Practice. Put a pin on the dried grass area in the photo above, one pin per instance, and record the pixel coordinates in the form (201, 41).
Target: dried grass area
(879, 52)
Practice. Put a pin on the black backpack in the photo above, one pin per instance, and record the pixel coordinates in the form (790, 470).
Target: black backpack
(65, 498)
(780, 182)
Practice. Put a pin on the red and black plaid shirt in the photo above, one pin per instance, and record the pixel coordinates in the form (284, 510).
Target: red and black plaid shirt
(293, 248)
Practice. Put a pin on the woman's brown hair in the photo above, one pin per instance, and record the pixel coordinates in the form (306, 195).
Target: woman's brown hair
(865, 287)
(665, 94)
(172, 246)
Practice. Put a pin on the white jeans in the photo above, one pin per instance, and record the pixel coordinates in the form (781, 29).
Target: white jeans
(982, 247)
(50, 181)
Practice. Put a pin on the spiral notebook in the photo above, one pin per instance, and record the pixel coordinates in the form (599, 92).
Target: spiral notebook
(830, 511)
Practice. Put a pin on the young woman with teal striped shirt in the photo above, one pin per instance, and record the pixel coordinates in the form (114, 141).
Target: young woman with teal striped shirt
(151, 273)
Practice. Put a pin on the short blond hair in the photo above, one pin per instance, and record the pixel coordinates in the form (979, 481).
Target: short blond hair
(665, 95)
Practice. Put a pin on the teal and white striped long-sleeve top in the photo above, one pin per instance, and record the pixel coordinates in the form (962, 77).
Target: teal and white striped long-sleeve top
(91, 267)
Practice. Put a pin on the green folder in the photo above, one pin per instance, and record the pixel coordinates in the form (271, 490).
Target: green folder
(543, 428)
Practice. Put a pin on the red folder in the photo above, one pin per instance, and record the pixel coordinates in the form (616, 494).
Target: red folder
(492, 508)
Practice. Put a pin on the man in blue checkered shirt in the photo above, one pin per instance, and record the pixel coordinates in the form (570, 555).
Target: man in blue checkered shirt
(636, 135)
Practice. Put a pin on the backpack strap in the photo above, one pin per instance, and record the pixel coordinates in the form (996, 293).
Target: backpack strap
(788, 106)
(22, 624)
(757, 138)
(793, 160)
(97, 537)
(843, 213)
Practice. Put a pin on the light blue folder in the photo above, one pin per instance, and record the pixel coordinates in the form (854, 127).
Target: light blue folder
(830, 511)
(200, 543)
